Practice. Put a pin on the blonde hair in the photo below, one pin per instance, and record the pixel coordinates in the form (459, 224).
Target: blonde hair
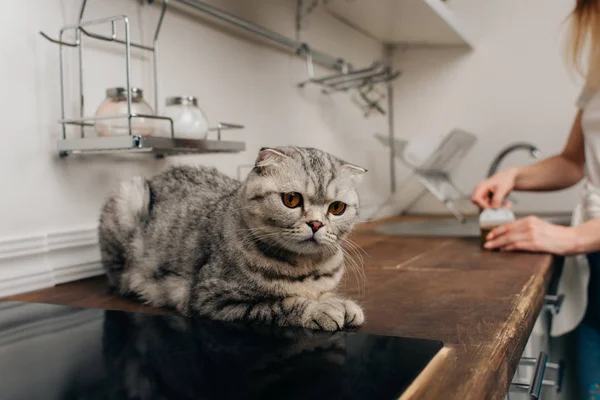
(585, 41)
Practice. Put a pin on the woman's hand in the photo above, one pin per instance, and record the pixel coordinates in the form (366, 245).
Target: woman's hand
(491, 192)
(535, 235)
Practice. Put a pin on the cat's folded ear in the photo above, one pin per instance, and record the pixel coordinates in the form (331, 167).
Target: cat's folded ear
(356, 173)
(268, 156)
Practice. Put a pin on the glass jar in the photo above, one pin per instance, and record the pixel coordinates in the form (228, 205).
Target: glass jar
(116, 104)
(189, 122)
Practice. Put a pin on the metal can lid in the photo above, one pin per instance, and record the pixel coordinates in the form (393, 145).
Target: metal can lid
(116, 92)
(182, 100)
(495, 216)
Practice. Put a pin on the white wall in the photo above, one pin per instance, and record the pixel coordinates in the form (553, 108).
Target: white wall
(235, 79)
(514, 87)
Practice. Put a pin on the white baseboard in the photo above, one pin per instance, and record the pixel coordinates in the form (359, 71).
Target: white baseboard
(45, 260)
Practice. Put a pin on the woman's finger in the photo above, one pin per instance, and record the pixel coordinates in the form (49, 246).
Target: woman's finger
(526, 245)
(481, 196)
(508, 238)
(510, 247)
(500, 230)
(519, 225)
(498, 198)
(482, 202)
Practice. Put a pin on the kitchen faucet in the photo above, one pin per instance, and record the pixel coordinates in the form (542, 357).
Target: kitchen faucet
(533, 150)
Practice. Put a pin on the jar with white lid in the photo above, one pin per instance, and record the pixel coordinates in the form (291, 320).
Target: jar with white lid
(116, 104)
(189, 121)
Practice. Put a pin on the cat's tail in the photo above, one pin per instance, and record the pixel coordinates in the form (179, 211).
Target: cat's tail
(121, 215)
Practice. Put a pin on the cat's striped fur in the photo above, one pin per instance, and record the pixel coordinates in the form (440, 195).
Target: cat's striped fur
(203, 243)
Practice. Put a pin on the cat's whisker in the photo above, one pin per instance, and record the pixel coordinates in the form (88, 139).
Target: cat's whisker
(348, 246)
(357, 270)
(356, 246)
(355, 251)
(353, 270)
(356, 254)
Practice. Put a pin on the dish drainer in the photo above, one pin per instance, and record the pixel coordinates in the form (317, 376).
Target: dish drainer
(434, 172)
(362, 80)
(160, 146)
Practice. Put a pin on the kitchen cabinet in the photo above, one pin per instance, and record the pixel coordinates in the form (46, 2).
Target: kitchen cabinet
(421, 22)
(538, 342)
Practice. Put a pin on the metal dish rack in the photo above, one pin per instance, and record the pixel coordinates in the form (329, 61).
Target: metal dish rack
(434, 173)
(363, 80)
(160, 146)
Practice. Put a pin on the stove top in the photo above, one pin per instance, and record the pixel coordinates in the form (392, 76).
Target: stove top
(58, 352)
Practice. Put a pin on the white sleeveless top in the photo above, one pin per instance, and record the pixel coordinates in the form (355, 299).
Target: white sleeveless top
(576, 274)
(589, 102)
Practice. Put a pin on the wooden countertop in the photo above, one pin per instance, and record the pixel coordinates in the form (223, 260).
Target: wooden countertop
(482, 305)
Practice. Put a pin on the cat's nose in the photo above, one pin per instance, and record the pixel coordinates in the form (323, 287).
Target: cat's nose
(315, 225)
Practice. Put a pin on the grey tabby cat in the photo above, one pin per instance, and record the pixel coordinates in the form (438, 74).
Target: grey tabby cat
(265, 250)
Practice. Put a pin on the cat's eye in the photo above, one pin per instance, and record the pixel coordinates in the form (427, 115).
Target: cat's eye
(292, 199)
(337, 208)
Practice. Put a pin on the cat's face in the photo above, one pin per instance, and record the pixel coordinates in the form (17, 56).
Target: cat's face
(301, 199)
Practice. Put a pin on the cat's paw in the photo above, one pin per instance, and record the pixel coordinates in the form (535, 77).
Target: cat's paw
(332, 314)
(327, 315)
(354, 314)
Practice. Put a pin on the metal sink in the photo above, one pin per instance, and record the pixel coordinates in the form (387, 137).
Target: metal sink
(452, 227)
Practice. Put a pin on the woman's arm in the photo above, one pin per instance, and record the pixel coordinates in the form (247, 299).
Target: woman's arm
(534, 234)
(554, 173)
(558, 172)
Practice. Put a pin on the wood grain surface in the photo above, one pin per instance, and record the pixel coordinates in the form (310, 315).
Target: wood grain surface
(482, 305)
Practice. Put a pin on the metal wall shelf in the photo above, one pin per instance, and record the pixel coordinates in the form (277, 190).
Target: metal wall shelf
(160, 146)
(132, 142)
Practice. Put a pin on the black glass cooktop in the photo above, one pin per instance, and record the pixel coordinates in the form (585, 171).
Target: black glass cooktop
(57, 352)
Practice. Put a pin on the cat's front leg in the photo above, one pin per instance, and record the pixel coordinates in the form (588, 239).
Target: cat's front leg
(227, 301)
(331, 313)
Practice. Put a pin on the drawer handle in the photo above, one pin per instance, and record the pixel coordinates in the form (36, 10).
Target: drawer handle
(558, 367)
(534, 388)
(553, 303)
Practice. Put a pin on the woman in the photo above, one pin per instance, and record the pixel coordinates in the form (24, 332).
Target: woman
(579, 160)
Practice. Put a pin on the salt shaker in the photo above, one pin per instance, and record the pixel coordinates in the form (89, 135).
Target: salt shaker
(188, 119)
(116, 104)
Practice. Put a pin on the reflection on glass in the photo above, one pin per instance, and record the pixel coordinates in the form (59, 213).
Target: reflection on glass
(68, 353)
